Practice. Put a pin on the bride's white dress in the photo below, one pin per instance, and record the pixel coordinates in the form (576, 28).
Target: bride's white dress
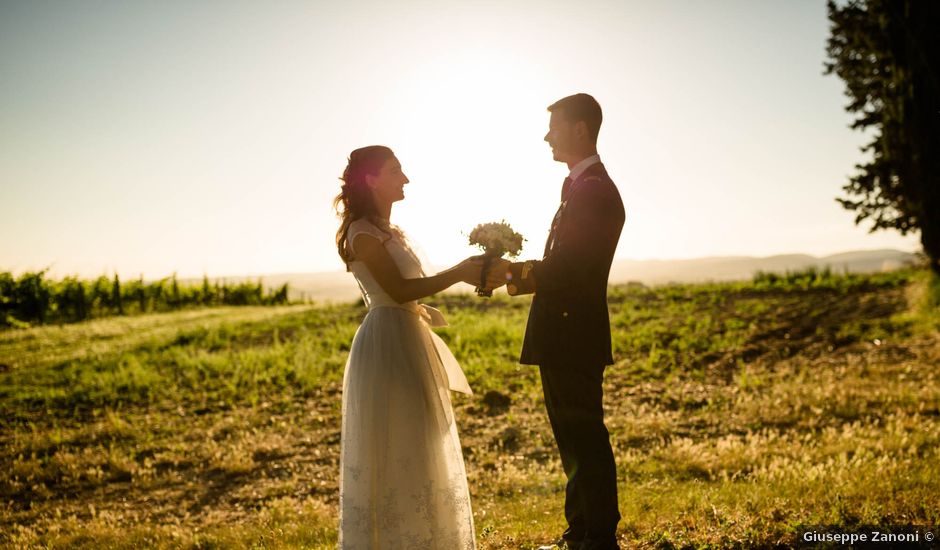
(402, 478)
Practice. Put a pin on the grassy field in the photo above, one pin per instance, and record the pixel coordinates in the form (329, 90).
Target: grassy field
(737, 411)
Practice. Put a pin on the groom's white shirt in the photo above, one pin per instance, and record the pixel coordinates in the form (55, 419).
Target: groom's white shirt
(580, 167)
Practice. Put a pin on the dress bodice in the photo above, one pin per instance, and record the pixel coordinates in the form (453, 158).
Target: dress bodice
(405, 259)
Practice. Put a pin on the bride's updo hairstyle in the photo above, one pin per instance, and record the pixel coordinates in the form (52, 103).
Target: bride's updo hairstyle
(355, 198)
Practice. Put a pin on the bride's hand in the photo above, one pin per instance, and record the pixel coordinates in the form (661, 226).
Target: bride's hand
(470, 270)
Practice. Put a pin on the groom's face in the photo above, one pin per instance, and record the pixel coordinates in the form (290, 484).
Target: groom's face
(560, 136)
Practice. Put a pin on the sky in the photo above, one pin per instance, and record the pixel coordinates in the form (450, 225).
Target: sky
(146, 138)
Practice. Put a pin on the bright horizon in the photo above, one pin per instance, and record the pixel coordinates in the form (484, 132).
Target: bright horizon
(159, 138)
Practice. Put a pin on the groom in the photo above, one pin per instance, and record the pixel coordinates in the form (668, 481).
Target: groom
(568, 332)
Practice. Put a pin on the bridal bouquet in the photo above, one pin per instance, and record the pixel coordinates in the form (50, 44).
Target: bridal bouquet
(495, 240)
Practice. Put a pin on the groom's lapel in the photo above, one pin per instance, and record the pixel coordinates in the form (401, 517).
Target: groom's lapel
(555, 221)
(569, 191)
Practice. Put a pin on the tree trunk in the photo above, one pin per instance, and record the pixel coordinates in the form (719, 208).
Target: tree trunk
(924, 52)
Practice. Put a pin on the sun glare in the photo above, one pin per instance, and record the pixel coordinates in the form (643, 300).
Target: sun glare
(471, 126)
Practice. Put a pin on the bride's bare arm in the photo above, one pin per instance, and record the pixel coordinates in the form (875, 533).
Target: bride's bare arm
(370, 251)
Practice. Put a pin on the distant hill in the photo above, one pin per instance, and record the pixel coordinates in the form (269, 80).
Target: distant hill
(730, 268)
(339, 286)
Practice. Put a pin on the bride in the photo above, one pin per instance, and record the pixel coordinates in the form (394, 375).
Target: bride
(402, 478)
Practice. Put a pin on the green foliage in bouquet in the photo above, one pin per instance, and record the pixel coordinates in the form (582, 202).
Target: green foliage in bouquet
(497, 239)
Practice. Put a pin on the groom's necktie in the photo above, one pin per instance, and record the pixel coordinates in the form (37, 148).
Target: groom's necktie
(565, 193)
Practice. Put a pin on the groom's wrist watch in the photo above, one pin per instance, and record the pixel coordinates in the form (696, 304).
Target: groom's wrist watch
(520, 278)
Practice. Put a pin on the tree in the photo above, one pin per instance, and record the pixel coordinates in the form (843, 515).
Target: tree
(174, 292)
(117, 301)
(206, 290)
(32, 297)
(886, 53)
(141, 294)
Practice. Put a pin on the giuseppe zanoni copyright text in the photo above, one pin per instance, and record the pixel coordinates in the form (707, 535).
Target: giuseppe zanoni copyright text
(909, 536)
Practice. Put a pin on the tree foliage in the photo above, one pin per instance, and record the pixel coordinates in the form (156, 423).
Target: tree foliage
(32, 299)
(886, 53)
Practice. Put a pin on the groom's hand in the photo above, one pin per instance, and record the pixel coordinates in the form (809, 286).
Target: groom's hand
(521, 279)
(497, 274)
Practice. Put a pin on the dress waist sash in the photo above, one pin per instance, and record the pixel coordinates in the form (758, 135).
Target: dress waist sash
(454, 375)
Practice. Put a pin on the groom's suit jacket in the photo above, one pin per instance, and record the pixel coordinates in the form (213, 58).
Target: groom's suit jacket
(568, 321)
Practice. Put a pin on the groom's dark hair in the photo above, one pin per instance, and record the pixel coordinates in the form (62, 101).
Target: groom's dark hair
(580, 108)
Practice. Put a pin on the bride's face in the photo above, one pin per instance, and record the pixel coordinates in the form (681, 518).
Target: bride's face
(388, 185)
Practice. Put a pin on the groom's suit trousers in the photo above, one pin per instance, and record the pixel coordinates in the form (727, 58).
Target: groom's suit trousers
(573, 398)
